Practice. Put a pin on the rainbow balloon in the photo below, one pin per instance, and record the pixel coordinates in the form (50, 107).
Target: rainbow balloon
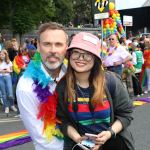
(113, 24)
(14, 138)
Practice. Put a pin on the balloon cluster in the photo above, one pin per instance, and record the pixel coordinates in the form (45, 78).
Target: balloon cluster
(113, 24)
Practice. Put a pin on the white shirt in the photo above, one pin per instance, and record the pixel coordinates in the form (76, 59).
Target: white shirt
(119, 54)
(128, 42)
(28, 106)
(4, 65)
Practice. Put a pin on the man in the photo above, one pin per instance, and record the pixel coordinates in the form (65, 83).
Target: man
(138, 61)
(35, 88)
(117, 55)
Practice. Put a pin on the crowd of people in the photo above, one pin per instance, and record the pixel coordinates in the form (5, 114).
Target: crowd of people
(13, 61)
(59, 102)
(130, 57)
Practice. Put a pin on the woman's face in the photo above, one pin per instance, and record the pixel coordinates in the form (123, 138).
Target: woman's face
(2, 55)
(81, 61)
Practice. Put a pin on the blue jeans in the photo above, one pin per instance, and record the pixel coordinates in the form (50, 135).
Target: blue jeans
(6, 90)
(117, 69)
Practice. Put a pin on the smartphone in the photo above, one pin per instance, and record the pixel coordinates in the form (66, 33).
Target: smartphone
(89, 135)
(88, 143)
(82, 146)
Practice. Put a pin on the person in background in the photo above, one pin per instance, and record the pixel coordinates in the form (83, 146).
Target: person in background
(84, 101)
(11, 48)
(142, 44)
(147, 65)
(6, 82)
(35, 42)
(123, 43)
(21, 61)
(30, 47)
(138, 61)
(36, 86)
(15, 44)
(117, 56)
(2, 40)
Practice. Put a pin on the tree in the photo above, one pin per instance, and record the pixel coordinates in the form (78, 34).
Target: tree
(82, 11)
(25, 13)
(22, 22)
(64, 11)
(4, 13)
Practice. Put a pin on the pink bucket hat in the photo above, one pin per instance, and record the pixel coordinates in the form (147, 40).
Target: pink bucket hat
(86, 41)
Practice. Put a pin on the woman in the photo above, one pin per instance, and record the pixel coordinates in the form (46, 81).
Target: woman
(85, 104)
(6, 81)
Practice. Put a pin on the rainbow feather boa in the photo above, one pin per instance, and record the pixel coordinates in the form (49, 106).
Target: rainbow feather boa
(48, 100)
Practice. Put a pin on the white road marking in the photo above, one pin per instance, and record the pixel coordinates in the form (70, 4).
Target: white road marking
(9, 120)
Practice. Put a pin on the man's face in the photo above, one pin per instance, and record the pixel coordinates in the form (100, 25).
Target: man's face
(52, 46)
(113, 40)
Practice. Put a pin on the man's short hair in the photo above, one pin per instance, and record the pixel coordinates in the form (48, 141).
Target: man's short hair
(51, 26)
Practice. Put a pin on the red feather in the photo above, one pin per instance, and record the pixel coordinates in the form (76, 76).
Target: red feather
(47, 110)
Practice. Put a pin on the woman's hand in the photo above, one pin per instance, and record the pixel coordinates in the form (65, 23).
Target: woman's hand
(101, 139)
(81, 138)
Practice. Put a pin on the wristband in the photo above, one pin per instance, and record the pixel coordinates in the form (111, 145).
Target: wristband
(113, 134)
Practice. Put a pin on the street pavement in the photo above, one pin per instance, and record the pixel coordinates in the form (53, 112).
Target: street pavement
(139, 127)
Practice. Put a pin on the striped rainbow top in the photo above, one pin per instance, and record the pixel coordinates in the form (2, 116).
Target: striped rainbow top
(89, 122)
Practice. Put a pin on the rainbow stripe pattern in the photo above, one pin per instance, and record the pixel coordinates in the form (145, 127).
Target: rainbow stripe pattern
(89, 122)
(14, 138)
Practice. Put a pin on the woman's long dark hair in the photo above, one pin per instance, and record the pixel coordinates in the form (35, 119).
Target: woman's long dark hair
(96, 81)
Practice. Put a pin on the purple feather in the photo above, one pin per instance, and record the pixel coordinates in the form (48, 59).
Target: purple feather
(42, 93)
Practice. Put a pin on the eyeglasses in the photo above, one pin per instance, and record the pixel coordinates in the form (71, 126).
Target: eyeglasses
(111, 39)
(75, 55)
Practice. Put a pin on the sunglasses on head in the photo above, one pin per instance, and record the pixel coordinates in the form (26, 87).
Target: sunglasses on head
(111, 39)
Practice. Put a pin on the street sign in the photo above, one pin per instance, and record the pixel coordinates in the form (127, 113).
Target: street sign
(127, 20)
(101, 9)
(101, 16)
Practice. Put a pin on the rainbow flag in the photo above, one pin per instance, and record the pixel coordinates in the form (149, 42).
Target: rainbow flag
(103, 52)
(14, 139)
(143, 77)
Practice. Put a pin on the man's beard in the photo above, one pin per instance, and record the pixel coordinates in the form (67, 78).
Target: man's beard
(53, 66)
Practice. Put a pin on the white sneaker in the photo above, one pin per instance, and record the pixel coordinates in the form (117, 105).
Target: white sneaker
(18, 116)
(7, 110)
(145, 92)
(138, 95)
(13, 108)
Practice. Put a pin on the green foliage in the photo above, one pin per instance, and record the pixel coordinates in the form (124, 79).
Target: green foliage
(64, 11)
(4, 13)
(83, 11)
(24, 15)
(22, 21)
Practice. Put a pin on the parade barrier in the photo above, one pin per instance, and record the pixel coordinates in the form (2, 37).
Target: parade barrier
(14, 138)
